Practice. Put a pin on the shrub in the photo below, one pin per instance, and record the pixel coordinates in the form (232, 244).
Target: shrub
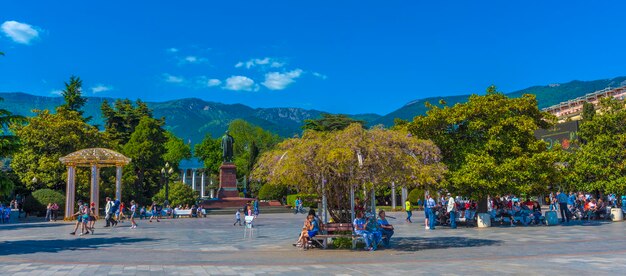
(37, 202)
(415, 195)
(310, 200)
(180, 194)
(272, 192)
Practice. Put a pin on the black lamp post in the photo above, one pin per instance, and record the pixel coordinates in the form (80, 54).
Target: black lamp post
(166, 171)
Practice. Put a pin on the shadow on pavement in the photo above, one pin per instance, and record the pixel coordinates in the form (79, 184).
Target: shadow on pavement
(18, 226)
(57, 245)
(417, 243)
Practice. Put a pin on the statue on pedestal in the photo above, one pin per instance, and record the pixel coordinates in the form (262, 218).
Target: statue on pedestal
(227, 147)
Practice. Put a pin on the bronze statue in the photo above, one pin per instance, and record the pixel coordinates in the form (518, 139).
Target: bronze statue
(227, 147)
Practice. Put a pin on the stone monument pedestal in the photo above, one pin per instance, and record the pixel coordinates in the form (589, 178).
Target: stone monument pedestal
(228, 181)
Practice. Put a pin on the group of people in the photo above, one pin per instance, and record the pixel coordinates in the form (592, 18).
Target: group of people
(249, 209)
(5, 213)
(87, 214)
(374, 231)
(583, 205)
(52, 211)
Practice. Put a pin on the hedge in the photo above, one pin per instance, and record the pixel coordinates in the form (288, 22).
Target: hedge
(272, 192)
(310, 200)
(37, 202)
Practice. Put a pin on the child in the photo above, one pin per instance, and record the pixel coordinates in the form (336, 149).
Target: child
(237, 217)
(133, 213)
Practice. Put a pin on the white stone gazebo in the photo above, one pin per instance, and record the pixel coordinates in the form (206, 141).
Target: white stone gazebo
(94, 158)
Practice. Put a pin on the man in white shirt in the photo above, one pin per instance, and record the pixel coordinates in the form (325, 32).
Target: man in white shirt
(452, 211)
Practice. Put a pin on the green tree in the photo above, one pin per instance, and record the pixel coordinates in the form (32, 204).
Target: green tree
(330, 122)
(176, 149)
(489, 146)
(589, 111)
(45, 138)
(250, 140)
(180, 194)
(600, 162)
(122, 119)
(72, 94)
(146, 148)
(352, 157)
(210, 152)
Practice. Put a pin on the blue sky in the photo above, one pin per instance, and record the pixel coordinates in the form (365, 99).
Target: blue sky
(336, 56)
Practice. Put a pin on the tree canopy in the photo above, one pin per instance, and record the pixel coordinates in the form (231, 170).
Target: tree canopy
(352, 157)
(330, 122)
(72, 94)
(489, 145)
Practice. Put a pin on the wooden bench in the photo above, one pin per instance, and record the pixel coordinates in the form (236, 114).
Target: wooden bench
(333, 231)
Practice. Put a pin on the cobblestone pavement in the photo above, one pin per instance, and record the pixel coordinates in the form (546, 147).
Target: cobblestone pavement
(214, 246)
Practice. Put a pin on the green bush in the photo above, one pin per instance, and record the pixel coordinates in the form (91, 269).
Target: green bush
(37, 202)
(180, 194)
(272, 192)
(415, 195)
(342, 242)
(310, 200)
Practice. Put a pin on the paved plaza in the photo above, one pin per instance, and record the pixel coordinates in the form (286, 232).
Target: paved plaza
(214, 246)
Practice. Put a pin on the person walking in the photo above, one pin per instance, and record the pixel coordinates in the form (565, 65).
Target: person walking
(49, 212)
(55, 211)
(430, 212)
(237, 218)
(409, 212)
(562, 198)
(109, 211)
(133, 213)
(153, 210)
(451, 209)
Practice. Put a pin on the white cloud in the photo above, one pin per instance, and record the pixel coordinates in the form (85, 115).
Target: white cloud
(213, 82)
(240, 83)
(280, 81)
(193, 60)
(260, 62)
(56, 92)
(319, 75)
(173, 50)
(173, 79)
(20, 32)
(101, 88)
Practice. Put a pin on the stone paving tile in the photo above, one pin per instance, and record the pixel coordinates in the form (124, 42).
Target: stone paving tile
(213, 246)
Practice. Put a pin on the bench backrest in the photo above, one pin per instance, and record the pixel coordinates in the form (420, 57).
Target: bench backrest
(182, 212)
(336, 227)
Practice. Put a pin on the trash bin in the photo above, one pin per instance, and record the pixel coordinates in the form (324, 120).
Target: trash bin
(551, 218)
(484, 220)
(616, 214)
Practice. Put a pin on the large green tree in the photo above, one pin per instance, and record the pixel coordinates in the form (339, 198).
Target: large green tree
(121, 119)
(72, 94)
(330, 122)
(489, 146)
(352, 157)
(175, 149)
(9, 144)
(146, 147)
(210, 152)
(250, 141)
(599, 164)
(45, 138)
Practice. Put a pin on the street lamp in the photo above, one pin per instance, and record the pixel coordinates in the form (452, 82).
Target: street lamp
(166, 171)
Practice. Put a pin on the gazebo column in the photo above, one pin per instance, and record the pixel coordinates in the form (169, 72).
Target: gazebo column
(70, 191)
(118, 182)
(193, 179)
(95, 171)
(202, 184)
(185, 176)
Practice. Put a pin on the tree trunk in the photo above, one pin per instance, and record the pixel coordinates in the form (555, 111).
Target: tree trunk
(482, 205)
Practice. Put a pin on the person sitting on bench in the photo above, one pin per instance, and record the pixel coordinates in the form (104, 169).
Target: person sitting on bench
(385, 228)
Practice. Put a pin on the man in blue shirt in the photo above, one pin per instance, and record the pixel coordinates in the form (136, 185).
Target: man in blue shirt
(563, 201)
(430, 211)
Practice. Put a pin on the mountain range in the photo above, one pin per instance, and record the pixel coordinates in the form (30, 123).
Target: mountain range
(191, 118)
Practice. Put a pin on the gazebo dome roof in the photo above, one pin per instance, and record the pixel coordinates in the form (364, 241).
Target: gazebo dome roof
(95, 156)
